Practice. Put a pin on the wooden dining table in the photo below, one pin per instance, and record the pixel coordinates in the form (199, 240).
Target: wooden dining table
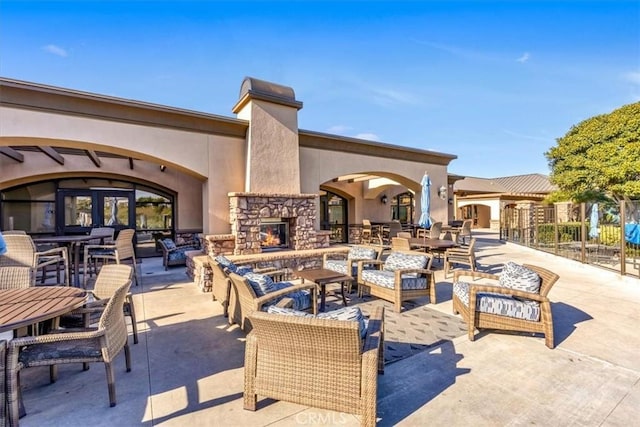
(431, 244)
(27, 306)
(74, 243)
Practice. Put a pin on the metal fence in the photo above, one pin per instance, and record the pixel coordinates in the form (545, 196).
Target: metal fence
(606, 235)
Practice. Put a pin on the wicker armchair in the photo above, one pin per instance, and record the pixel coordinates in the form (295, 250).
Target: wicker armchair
(404, 275)
(243, 301)
(121, 250)
(176, 254)
(467, 295)
(110, 278)
(221, 286)
(347, 262)
(315, 362)
(464, 255)
(22, 251)
(96, 345)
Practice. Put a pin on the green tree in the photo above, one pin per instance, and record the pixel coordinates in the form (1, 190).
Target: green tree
(599, 158)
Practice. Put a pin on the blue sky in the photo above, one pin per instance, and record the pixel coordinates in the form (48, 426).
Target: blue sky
(494, 83)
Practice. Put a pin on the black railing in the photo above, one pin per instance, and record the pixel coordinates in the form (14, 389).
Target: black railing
(606, 235)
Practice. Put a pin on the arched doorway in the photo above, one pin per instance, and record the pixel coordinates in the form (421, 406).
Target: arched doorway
(402, 208)
(75, 205)
(334, 215)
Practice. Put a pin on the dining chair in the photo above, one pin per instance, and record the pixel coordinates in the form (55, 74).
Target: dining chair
(121, 250)
(110, 277)
(465, 232)
(101, 344)
(22, 251)
(104, 236)
(15, 277)
(400, 244)
(366, 231)
(435, 230)
(404, 234)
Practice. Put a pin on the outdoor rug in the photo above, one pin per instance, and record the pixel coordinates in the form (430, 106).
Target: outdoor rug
(417, 328)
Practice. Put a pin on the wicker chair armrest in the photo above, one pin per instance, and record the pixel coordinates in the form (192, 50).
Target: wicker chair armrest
(285, 303)
(82, 334)
(457, 251)
(53, 251)
(477, 274)
(474, 289)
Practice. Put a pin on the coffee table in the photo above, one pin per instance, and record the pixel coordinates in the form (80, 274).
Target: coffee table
(322, 277)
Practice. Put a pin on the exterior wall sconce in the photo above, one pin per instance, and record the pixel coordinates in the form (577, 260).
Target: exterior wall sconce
(384, 199)
(442, 192)
(162, 168)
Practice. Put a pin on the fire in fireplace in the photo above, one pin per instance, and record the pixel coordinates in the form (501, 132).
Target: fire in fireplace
(274, 233)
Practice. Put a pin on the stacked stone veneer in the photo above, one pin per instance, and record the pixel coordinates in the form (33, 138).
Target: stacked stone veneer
(248, 209)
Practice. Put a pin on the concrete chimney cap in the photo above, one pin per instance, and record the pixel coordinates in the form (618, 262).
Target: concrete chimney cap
(253, 88)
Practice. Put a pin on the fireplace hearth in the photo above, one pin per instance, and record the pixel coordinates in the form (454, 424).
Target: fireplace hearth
(274, 234)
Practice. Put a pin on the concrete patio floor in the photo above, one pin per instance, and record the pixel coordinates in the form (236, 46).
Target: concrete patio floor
(188, 366)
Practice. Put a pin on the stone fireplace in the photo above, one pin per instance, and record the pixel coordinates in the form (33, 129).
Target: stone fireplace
(262, 221)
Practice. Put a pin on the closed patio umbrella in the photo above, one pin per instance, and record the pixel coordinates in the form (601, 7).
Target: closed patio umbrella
(425, 201)
(593, 222)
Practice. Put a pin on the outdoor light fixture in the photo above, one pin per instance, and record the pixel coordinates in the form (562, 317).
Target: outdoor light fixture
(162, 168)
(442, 192)
(384, 199)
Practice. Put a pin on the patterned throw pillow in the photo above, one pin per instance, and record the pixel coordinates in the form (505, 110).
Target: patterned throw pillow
(226, 263)
(243, 270)
(169, 244)
(516, 276)
(353, 314)
(260, 283)
(398, 261)
(361, 253)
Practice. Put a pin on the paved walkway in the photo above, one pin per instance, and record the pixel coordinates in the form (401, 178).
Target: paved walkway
(187, 368)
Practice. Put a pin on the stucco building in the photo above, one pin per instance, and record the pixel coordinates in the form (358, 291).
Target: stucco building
(72, 160)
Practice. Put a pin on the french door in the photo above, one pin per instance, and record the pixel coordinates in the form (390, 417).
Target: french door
(80, 210)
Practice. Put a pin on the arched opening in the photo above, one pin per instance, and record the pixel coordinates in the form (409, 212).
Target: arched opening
(75, 205)
(334, 216)
(403, 208)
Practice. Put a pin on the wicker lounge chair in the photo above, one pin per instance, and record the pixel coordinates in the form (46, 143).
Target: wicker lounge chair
(176, 254)
(316, 362)
(403, 276)
(500, 299)
(347, 262)
(243, 301)
(97, 345)
(221, 286)
(464, 255)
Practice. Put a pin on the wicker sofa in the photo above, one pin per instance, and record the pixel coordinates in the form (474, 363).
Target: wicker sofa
(316, 362)
(509, 304)
(404, 275)
(173, 254)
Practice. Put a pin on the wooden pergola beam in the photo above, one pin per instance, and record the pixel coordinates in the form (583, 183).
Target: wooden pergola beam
(94, 157)
(51, 152)
(12, 154)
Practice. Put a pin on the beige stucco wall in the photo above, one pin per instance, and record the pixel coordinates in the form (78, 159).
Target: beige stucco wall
(321, 166)
(187, 151)
(272, 148)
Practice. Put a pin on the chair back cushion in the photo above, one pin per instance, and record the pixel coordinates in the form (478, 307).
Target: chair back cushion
(516, 276)
(169, 244)
(260, 283)
(349, 314)
(399, 260)
(361, 253)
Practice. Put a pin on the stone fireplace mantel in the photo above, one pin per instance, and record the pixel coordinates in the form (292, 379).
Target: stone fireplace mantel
(248, 209)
